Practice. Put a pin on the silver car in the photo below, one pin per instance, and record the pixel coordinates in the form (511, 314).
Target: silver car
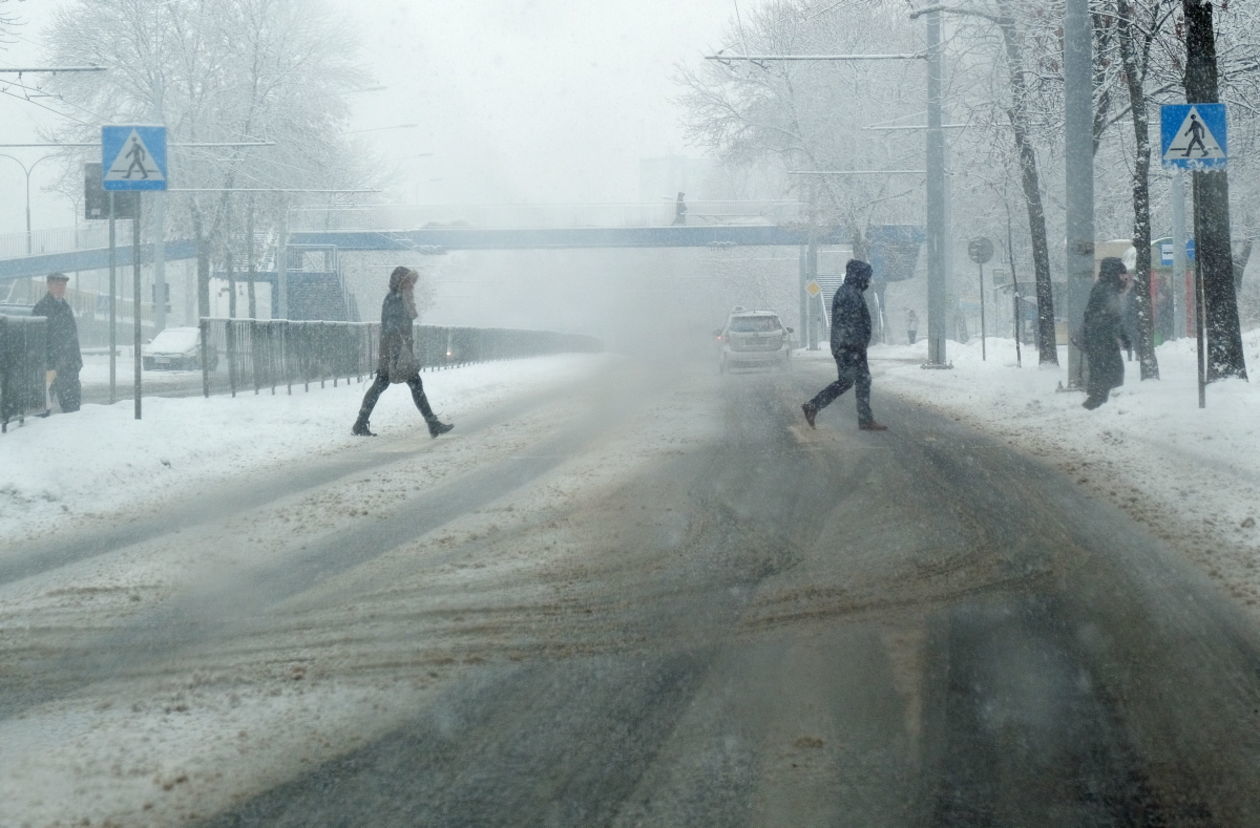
(754, 338)
(176, 349)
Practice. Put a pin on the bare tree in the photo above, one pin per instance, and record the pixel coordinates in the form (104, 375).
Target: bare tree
(1225, 356)
(1137, 28)
(813, 116)
(218, 71)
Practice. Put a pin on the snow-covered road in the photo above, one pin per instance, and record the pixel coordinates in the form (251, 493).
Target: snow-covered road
(614, 593)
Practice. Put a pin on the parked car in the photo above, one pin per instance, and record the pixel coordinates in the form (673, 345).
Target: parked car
(176, 349)
(756, 338)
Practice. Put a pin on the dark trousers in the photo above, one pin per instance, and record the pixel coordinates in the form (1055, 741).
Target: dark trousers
(68, 390)
(853, 371)
(381, 383)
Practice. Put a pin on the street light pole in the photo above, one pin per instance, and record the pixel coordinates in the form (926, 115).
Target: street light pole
(27, 172)
(1078, 99)
(937, 267)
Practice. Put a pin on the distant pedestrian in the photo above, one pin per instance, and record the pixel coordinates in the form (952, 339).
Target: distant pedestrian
(850, 336)
(398, 362)
(63, 359)
(912, 326)
(680, 209)
(1103, 332)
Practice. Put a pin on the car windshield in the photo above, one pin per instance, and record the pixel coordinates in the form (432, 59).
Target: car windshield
(754, 324)
(175, 339)
(468, 423)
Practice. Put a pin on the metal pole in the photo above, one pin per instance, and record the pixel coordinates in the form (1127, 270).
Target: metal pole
(1178, 287)
(935, 158)
(803, 306)
(159, 264)
(136, 295)
(28, 206)
(282, 261)
(1079, 160)
(983, 353)
(811, 270)
(1200, 325)
(113, 306)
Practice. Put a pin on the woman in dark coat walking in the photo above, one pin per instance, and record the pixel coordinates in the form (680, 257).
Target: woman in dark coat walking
(397, 361)
(1103, 332)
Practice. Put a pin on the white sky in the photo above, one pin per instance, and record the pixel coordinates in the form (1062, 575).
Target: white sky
(518, 100)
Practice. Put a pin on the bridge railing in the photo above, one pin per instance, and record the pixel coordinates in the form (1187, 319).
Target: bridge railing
(528, 216)
(62, 239)
(94, 235)
(240, 355)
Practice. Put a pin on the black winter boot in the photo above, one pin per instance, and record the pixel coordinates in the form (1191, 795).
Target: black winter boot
(361, 428)
(437, 427)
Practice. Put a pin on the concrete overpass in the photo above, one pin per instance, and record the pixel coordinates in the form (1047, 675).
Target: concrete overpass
(442, 239)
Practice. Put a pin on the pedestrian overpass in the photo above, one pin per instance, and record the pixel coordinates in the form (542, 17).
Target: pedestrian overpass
(524, 227)
(310, 293)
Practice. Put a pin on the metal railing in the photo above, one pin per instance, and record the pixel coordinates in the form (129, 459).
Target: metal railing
(239, 355)
(22, 356)
(631, 214)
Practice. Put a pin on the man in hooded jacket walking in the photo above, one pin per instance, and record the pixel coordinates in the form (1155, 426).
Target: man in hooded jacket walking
(850, 336)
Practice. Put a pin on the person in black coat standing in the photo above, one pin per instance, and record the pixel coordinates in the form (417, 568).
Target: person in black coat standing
(850, 336)
(63, 359)
(398, 362)
(1104, 331)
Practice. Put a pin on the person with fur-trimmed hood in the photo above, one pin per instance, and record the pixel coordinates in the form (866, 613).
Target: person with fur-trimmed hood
(398, 362)
(850, 336)
(1103, 332)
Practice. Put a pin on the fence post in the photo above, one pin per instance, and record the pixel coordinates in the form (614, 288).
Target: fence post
(252, 326)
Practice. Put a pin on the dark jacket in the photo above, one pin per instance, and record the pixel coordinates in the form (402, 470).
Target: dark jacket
(850, 318)
(396, 331)
(1102, 333)
(63, 355)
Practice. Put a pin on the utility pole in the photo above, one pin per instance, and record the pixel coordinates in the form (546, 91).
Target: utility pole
(1214, 259)
(935, 152)
(937, 266)
(1078, 105)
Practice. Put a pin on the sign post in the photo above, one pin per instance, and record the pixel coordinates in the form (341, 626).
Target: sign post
(133, 158)
(980, 250)
(1195, 137)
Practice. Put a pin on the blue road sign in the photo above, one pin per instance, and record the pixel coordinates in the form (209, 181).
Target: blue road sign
(133, 157)
(1166, 252)
(1193, 136)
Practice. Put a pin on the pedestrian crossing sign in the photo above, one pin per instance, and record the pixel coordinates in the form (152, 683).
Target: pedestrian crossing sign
(133, 157)
(1193, 136)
